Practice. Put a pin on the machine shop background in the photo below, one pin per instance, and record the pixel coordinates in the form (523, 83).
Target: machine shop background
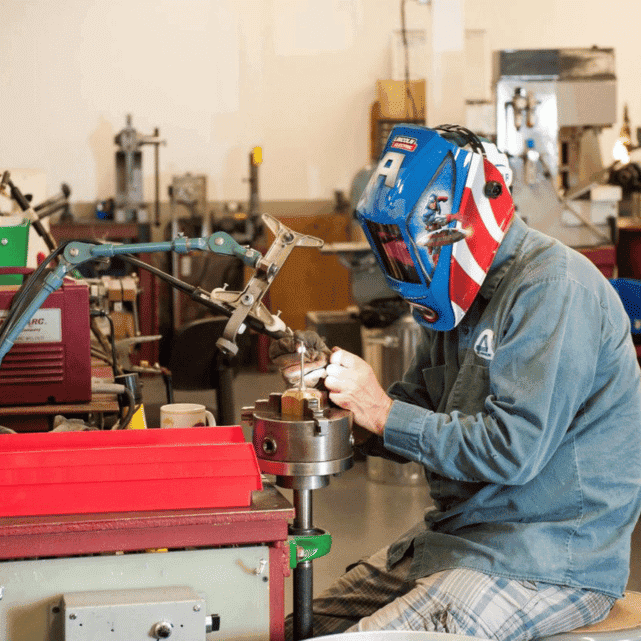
(156, 118)
(296, 78)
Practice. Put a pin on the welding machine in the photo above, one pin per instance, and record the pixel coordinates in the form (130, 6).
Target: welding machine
(50, 362)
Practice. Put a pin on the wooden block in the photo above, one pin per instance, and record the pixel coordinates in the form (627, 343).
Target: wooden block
(115, 289)
(129, 289)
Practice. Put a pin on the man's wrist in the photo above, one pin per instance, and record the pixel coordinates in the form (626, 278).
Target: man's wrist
(382, 414)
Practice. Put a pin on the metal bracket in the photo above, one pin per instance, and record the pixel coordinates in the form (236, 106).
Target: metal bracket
(249, 301)
(308, 548)
(321, 424)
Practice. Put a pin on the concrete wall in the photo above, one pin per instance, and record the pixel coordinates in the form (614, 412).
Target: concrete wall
(218, 77)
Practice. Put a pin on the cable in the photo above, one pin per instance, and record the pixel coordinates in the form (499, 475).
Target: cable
(407, 62)
(172, 280)
(130, 412)
(19, 300)
(115, 388)
(198, 294)
(462, 134)
(96, 352)
(94, 313)
(114, 358)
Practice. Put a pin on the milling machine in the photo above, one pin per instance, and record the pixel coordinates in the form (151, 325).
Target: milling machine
(551, 105)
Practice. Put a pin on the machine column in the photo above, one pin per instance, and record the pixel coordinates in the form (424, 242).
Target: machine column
(303, 573)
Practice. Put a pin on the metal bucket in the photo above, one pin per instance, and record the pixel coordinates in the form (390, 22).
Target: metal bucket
(389, 351)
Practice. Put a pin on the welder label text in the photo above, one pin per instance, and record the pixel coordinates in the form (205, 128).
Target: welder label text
(44, 327)
(406, 143)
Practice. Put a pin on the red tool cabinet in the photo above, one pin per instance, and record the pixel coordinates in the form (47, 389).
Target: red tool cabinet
(83, 499)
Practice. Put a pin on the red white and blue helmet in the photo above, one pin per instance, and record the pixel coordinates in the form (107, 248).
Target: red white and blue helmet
(435, 212)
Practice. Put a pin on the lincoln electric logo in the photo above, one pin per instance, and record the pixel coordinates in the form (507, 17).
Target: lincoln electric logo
(404, 142)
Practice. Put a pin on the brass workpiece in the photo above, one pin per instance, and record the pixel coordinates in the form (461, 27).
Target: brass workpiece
(295, 400)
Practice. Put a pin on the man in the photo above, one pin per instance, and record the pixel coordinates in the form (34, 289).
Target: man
(523, 403)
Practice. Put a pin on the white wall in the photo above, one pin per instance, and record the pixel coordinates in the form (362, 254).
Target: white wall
(221, 76)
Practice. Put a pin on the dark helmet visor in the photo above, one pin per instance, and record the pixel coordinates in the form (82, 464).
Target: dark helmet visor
(393, 252)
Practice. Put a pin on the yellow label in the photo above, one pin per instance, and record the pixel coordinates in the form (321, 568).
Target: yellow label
(138, 420)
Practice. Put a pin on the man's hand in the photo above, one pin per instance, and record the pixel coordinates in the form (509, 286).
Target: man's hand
(353, 386)
(285, 355)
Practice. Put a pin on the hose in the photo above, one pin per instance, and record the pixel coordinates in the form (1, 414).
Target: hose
(114, 388)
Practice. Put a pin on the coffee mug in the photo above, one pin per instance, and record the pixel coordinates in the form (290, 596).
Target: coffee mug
(185, 415)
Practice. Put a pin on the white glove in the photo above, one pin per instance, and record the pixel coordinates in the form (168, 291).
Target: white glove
(353, 386)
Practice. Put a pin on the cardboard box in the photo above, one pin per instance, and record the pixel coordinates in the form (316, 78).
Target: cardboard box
(395, 102)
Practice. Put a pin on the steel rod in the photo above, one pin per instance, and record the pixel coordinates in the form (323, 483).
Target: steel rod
(303, 574)
(303, 587)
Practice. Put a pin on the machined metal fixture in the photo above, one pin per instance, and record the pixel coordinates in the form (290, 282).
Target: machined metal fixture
(302, 440)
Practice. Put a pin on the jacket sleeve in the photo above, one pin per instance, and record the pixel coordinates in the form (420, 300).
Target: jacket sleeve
(545, 356)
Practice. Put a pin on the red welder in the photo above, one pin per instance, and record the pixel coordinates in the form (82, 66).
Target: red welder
(50, 362)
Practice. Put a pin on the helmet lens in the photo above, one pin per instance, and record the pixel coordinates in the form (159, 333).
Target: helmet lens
(393, 252)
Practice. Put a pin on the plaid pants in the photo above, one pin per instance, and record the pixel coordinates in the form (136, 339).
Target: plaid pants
(460, 601)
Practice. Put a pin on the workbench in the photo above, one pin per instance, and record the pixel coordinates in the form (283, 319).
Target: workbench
(236, 559)
(39, 418)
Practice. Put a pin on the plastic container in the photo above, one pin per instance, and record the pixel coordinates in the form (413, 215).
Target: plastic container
(125, 471)
(14, 242)
(629, 291)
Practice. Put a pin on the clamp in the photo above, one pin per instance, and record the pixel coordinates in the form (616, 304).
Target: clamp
(307, 548)
(243, 308)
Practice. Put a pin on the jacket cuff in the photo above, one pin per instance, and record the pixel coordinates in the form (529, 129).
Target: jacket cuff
(404, 427)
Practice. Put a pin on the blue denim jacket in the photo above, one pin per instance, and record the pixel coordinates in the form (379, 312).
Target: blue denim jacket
(527, 418)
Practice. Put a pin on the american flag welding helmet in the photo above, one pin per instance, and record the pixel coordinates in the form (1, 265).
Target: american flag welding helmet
(435, 212)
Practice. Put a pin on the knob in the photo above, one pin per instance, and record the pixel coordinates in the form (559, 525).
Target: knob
(162, 630)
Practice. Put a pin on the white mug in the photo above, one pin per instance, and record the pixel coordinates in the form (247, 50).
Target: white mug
(185, 415)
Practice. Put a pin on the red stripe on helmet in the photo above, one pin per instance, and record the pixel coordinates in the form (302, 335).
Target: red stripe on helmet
(503, 206)
(463, 289)
(481, 244)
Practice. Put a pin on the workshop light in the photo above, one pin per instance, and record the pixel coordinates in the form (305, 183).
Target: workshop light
(620, 152)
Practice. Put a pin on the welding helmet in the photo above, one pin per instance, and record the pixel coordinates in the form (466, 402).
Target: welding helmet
(435, 212)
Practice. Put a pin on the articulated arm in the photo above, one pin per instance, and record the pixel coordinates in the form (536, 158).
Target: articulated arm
(237, 305)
